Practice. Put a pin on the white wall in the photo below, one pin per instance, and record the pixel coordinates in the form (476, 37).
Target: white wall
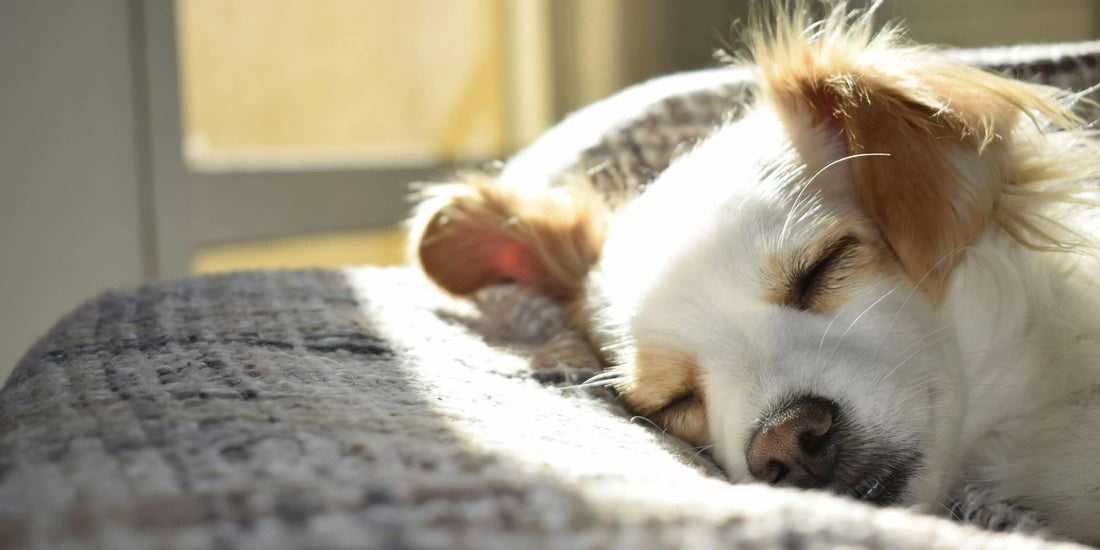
(70, 202)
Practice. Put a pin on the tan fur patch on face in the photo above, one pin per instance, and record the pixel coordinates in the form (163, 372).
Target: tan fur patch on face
(665, 387)
(821, 275)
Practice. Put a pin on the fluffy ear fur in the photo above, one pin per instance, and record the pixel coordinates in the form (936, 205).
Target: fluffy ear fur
(473, 234)
(946, 127)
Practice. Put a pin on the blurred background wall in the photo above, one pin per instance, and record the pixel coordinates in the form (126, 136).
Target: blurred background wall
(152, 139)
(73, 204)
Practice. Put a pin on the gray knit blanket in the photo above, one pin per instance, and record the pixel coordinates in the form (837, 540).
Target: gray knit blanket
(365, 409)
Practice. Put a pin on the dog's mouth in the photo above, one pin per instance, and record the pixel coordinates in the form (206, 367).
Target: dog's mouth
(810, 443)
(883, 485)
(883, 488)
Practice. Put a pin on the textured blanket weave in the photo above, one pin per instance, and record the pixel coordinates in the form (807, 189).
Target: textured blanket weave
(323, 409)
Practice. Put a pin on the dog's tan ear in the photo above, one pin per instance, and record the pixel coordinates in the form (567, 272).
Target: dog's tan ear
(945, 127)
(947, 165)
(470, 235)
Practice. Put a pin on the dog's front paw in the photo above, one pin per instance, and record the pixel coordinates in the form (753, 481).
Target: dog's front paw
(975, 504)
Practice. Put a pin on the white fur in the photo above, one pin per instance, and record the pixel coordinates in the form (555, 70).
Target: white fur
(997, 384)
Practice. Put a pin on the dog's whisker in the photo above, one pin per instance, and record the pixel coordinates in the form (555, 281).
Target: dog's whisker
(935, 340)
(918, 389)
(606, 375)
(796, 206)
(699, 451)
(663, 431)
(913, 292)
(916, 410)
(821, 344)
(601, 380)
(918, 342)
(945, 507)
(856, 320)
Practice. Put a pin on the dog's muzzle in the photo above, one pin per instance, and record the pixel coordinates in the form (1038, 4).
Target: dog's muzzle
(805, 443)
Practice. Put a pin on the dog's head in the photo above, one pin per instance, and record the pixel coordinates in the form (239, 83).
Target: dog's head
(779, 292)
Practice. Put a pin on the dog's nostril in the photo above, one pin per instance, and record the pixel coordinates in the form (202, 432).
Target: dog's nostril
(812, 443)
(775, 472)
(794, 445)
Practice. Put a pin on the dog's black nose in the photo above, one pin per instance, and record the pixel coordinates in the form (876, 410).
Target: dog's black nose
(795, 445)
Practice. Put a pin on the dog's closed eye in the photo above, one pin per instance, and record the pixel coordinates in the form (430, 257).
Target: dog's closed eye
(684, 416)
(664, 387)
(813, 285)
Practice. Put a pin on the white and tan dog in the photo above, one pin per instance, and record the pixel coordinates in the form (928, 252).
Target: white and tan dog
(877, 282)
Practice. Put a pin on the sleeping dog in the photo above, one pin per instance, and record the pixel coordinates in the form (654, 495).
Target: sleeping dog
(878, 281)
